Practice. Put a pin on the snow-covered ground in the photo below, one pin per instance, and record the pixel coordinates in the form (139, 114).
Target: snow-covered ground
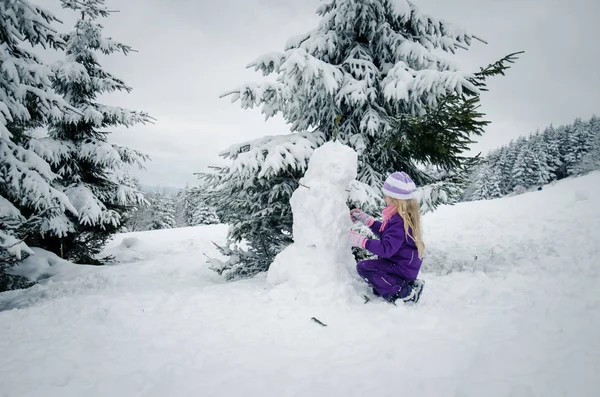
(511, 308)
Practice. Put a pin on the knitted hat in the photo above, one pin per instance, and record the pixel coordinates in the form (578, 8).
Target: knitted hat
(399, 186)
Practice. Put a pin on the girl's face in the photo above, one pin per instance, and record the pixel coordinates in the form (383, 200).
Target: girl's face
(388, 201)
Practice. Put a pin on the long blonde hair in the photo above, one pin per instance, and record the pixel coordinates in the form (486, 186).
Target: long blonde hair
(410, 211)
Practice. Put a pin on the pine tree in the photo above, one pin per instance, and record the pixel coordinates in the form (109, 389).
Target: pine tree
(192, 196)
(197, 210)
(526, 172)
(552, 149)
(93, 171)
(181, 207)
(578, 141)
(540, 150)
(508, 184)
(564, 133)
(204, 215)
(487, 177)
(590, 161)
(137, 218)
(504, 166)
(29, 204)
(162, 211)
(353, 78)
(488, 183)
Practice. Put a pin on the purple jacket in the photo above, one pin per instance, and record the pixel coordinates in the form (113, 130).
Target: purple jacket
(395, 246)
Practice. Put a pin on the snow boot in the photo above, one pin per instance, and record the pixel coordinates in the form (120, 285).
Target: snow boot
(417, 290)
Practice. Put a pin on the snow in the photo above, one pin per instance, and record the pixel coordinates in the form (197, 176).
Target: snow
(271, 155)
(8, 210)
(13, 245)
(91, 210)
(319, 264)
(269, 62)
(43, 264)
(402, 8)
(520, 320)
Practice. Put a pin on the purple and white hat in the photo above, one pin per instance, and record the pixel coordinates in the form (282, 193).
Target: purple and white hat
(399, 186)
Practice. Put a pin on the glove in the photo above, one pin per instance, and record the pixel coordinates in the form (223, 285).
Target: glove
(359, 215)
(357, 239)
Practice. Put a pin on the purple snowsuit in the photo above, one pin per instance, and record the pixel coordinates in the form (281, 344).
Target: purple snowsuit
(398, 262)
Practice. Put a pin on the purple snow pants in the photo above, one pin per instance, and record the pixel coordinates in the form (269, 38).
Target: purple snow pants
(385, 277)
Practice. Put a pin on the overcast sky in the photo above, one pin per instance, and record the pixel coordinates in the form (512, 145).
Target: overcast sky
(191, 51)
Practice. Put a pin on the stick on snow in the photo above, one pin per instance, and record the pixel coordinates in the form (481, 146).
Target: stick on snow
(316, 320)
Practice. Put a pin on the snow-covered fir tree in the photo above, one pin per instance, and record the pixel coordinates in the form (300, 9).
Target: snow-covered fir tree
(162, 211)
(192, 197)
(488, 183)
(504, 165)
(29, 204)
(204, 215)
(139, 218)
(552, 150)
(93, 171)
(192, 208)
(590, 161)
(135, 219)
(570, 145)
(540, 150)
(363, 76)
(526, 171)
(182, 207)
(580, 141)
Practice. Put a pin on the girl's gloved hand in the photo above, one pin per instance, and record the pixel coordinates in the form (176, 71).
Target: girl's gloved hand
(358, 215)
(357, 239)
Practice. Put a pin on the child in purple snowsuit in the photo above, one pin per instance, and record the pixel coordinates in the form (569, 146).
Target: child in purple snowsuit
(399, 248)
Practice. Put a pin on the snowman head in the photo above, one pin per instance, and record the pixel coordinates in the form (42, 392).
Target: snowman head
(334, 163)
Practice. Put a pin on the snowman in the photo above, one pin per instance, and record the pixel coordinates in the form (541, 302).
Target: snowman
(319, 264)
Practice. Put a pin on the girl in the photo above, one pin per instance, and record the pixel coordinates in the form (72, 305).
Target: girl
(400, 247)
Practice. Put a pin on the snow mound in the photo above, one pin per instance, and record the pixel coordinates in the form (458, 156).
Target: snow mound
(129, 242)
(319, 264)
(42, 265)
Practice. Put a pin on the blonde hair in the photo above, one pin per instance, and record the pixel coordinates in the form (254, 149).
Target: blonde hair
(410, 211)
